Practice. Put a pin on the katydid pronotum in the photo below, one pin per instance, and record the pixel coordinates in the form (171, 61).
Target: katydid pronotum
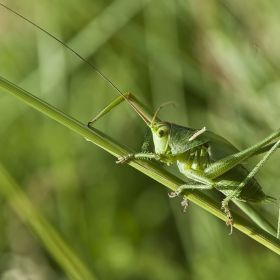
(205, 158)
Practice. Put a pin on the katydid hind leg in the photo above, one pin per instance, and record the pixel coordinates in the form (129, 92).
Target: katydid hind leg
(221, 166)
(253, 172)
(263, 150)
(244, 182)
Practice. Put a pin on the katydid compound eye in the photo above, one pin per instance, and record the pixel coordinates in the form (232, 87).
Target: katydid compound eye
(160, 133)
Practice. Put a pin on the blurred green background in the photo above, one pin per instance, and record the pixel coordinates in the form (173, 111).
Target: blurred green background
(218, 60)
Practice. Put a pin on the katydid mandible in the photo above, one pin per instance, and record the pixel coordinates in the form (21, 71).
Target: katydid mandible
(207, 159)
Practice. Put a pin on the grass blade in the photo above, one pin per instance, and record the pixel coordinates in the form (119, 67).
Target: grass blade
(145, 167)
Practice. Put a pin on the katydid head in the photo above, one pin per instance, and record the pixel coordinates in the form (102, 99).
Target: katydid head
(160, 130)
(160, 133)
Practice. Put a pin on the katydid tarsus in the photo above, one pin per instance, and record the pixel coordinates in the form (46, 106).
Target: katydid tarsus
(207, 159)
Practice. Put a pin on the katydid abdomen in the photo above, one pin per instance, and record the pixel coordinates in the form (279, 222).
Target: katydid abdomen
(198, 159)
(252, 192)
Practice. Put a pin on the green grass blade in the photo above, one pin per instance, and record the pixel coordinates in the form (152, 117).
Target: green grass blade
(45, 232)
(145, 167)
(255, 216)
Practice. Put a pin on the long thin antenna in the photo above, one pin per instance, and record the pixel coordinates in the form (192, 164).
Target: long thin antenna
(159, 108)
(106, 79)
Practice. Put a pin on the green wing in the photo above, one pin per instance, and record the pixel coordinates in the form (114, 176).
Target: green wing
(218, 147)
(179, 139)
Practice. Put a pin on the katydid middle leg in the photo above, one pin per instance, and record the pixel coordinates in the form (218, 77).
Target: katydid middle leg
(189, 186)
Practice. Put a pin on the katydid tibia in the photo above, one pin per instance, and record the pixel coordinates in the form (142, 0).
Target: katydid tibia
(207, 159)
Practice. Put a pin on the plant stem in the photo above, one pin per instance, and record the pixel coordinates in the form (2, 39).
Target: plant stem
(148, 168)
(39, 225)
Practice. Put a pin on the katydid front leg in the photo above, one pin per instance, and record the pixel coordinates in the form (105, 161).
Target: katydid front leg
(168, 158)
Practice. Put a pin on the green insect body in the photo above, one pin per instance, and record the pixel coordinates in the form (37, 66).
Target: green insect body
(209, 161)
(193, 157)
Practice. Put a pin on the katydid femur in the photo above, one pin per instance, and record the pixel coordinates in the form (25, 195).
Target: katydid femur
(207, 159)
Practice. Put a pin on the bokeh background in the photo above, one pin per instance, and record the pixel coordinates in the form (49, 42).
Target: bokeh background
(218, 60)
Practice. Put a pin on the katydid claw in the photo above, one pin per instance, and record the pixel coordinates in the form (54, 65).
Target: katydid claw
(174, 194)
(185, 204)
(124, 158)
(229, 221)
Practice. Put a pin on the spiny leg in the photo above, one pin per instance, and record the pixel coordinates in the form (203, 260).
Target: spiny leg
(237, 191)
(125, 158)
(253, 172)
(263, 150)
(221, 166)
(166, 158)
(196, 176)
(188, 186)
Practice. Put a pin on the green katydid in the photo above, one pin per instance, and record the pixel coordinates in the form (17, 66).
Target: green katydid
(207, 159)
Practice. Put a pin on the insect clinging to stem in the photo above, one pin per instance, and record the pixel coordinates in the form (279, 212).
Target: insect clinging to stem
(205, 158)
